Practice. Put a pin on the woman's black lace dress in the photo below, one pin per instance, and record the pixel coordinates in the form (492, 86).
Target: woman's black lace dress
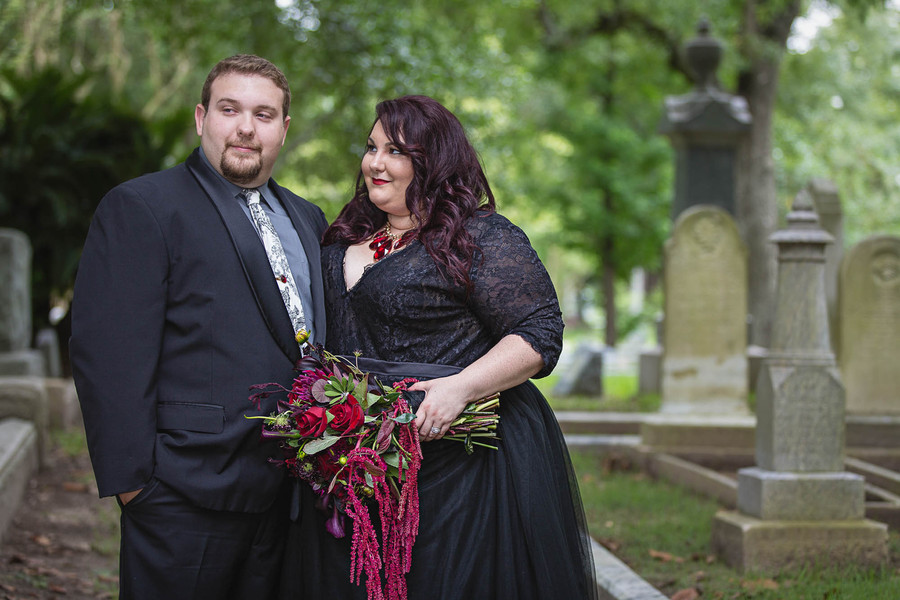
(505, 524)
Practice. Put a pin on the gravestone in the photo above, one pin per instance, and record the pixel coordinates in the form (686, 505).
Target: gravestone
(798, 507)
(650, 364)
(16, 355)
(705, 128)
(870, 326)
(827, 203)
(47, 343)
(584, 377)
(704, 363)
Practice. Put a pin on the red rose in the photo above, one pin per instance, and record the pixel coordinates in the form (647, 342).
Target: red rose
(348, 415)
(312, 422)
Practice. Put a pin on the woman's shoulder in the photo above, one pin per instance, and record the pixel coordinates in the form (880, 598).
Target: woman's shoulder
(486, 225)
(490, 221)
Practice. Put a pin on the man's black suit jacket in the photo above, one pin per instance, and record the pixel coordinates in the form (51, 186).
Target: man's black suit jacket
(175, 315)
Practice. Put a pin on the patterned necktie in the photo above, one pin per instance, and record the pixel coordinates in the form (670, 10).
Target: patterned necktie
(279, 263)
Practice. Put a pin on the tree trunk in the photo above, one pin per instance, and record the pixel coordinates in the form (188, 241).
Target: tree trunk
(757, 205)
(609, 302)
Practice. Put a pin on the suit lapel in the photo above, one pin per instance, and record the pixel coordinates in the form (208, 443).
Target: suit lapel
(251, 253)
(310, 241)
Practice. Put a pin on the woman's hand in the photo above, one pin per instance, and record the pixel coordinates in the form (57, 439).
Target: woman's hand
(445, 399)
(510, 362)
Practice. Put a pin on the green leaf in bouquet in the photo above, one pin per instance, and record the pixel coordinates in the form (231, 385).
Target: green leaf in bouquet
(314, 446)
(360, 392)
(391, 459)
(404, 418)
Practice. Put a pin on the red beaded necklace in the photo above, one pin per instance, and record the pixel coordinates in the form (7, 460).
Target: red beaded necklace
(386, 242)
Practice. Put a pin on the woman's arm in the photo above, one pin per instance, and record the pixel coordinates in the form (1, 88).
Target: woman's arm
(510, 362)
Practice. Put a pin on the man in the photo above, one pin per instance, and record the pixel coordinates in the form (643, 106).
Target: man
(176, 313)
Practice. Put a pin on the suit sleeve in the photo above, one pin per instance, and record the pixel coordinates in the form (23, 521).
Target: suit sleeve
(118, 315)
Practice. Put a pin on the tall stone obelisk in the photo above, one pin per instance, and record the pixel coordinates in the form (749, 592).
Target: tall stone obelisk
(798, 506)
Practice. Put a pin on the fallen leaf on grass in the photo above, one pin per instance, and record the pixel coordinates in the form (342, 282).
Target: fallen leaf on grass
(41, 540)
(665, 556)
(760, 584)
(700, 575)
(74, 486)
(58, 589)
(610, 544)
(686, 594)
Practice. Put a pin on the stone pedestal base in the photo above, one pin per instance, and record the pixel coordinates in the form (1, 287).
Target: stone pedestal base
(680, 434)
(777, 496)
(18, 462)
(750, 544)
(26, 398)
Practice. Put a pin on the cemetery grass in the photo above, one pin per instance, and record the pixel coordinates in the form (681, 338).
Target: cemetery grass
(64, 540)
(619, 395)
(662, 532)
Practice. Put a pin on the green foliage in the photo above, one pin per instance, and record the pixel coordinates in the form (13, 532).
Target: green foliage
(60, 152)
(839, 120)
(561, 98)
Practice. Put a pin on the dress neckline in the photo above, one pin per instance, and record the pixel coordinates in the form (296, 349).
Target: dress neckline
(348, 289)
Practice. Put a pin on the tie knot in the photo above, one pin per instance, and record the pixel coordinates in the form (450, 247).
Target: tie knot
(251, 196)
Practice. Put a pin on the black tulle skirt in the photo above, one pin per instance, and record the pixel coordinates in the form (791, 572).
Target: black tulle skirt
(501, 524)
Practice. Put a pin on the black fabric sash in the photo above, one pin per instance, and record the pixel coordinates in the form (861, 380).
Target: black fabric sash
(384, 369)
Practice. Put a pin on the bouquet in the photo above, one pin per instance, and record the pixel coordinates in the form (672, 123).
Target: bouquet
(352, 438)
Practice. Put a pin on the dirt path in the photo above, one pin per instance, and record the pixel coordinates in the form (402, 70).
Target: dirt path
(63, 542)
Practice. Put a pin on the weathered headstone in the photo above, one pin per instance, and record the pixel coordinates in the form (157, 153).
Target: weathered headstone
(16, 356)
(797, 506)
(827, 202)
(705, 128)
(705, 289)
(584, 377)
(870, 326)
(47, 343)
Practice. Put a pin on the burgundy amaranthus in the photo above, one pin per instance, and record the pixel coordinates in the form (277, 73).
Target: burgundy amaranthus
(353, 440)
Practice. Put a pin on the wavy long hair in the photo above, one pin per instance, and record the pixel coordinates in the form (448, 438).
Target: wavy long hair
(448, 185)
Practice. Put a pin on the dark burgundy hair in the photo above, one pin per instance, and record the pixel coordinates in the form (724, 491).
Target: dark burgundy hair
(448, 185)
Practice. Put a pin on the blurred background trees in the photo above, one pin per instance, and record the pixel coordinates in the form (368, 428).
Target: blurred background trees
(561, 97)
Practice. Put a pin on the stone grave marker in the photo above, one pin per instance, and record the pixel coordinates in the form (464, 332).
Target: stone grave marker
(704, 365)
(584, 376)
(870, 326)
(16, 355)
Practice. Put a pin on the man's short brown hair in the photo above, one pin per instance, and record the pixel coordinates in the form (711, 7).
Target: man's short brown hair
(248, 64)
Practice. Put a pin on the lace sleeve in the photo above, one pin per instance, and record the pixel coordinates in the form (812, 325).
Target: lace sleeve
(513, 293)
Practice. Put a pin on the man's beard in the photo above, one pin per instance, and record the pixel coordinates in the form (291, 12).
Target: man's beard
(240, 170)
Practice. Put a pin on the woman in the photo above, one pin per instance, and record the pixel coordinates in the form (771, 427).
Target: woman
(421, 272)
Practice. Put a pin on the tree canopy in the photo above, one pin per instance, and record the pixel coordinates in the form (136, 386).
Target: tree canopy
(562, 98)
